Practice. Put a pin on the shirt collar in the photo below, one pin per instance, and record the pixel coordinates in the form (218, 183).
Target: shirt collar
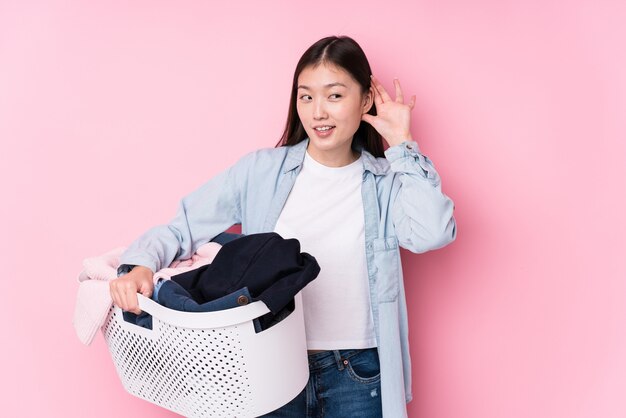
(295, 156)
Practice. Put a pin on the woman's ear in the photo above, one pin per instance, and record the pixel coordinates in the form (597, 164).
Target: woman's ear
(368, 100)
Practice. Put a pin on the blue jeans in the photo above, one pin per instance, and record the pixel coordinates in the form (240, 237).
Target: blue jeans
(342, 384)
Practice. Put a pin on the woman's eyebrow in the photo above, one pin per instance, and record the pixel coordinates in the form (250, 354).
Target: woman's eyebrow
(302, 86)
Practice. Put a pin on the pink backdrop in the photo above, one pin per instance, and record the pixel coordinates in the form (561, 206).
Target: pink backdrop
(110, 113)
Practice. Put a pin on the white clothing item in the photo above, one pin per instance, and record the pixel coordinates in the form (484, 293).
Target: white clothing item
(324, 211)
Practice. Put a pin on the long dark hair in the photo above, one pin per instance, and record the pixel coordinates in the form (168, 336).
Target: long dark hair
(345, 53)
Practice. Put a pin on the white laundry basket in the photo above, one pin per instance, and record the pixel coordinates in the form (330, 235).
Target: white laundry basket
(210, 364)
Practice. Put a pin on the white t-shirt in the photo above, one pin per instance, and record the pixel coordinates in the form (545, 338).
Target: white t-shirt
(324, 211)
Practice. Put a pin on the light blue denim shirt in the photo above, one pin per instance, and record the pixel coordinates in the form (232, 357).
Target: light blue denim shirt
(404, 207)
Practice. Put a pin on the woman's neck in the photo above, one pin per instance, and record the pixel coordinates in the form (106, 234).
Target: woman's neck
(333, 158)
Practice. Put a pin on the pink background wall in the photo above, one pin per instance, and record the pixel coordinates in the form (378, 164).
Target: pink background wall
(110, 113)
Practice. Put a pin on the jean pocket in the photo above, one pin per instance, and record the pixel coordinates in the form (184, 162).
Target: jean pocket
(387, 268)
(364, 367)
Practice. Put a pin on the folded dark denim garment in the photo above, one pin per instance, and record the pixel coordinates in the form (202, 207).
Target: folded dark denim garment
(271, 267)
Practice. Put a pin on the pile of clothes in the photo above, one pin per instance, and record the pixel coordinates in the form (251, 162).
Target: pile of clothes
(232, 270)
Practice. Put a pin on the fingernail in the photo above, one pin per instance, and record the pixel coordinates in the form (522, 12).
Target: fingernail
(371, 75)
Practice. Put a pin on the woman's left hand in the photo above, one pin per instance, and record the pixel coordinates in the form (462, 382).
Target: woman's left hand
(393, 117)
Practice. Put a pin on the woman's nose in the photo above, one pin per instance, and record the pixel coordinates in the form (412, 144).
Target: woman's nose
(319, 111)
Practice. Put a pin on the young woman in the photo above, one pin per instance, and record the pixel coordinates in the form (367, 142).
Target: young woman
(351, 204)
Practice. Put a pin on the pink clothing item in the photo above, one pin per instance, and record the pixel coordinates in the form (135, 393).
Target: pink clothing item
(204, 255)
(93, 300)
(102, 267)
(93, 303)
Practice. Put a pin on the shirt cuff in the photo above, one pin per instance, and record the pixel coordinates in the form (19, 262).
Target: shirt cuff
(403, 149)
(406, 157)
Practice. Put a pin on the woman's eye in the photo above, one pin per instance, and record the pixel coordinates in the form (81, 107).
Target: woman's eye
(336, 95)
(305, 97)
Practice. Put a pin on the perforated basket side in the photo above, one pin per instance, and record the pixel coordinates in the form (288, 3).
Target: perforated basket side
(210, 364)
(194, 372)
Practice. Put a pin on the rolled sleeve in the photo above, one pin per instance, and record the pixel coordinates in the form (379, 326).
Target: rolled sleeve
(422, 214)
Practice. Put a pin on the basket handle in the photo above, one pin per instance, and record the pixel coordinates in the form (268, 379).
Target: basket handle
(215, 319)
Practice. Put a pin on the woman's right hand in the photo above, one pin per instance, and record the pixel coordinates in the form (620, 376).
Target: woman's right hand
(124, 289)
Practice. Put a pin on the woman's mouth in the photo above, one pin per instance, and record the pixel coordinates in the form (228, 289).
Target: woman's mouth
(324, 131)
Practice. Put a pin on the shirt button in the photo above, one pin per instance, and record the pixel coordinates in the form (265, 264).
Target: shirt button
(242, 300)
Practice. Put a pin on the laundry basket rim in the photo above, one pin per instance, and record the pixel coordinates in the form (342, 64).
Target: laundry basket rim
(215, 319)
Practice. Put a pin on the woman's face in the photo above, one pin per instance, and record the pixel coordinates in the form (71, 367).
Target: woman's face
(330, 105)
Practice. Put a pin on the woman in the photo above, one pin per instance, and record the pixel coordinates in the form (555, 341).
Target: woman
(331, 185)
